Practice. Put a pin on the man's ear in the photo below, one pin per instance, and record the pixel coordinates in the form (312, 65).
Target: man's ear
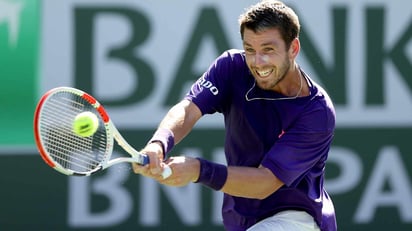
(294, 48)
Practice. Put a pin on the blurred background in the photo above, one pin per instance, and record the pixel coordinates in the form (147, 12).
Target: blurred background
(140, 57)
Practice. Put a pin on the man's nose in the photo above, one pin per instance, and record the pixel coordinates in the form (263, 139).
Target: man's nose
(260, 59)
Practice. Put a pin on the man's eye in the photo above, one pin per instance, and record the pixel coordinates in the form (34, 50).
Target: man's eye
(250, 51)
(268, 49)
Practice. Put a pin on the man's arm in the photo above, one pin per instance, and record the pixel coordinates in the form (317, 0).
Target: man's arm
(181, 118)
(256, 183)
(248, 182)
(179, 121)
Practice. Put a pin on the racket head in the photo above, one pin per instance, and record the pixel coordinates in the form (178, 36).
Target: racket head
(58, 145)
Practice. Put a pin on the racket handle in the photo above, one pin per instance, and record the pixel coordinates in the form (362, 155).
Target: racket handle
(145, 159)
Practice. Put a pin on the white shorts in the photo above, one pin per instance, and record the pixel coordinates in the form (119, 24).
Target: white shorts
(289, 220)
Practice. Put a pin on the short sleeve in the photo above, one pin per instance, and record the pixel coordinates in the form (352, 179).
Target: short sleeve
(212, 91)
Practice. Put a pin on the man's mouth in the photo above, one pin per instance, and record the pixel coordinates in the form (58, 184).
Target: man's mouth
(264, 73)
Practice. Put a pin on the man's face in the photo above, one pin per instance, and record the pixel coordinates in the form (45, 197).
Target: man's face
(267, 57)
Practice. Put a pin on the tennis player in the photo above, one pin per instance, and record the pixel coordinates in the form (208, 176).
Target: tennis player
(279, 126)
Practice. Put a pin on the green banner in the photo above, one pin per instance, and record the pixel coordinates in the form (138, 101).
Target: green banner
(19, 57)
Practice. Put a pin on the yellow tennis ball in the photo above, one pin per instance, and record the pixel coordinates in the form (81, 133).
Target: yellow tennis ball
(85, 124)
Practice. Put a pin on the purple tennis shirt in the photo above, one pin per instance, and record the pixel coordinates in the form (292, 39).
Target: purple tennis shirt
(290, 137)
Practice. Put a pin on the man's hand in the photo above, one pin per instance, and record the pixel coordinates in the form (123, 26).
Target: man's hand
(155, 167)
(185, 170)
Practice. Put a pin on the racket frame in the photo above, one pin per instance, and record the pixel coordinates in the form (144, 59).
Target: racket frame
(111, 134)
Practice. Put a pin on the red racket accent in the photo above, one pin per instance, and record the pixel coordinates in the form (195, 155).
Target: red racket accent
(99, 107)
(89, 98)
(103, 113)
(37, 135)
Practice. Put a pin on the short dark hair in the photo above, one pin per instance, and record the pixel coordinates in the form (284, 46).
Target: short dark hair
(271, 14)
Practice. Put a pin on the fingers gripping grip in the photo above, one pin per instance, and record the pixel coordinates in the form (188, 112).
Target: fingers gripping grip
(167, 171)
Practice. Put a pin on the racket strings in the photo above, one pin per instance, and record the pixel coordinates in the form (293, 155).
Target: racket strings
(79, 154)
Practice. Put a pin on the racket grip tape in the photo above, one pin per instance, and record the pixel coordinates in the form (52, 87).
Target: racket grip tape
(145, 159)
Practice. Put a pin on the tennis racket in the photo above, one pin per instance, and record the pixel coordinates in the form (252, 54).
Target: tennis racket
(70, 153)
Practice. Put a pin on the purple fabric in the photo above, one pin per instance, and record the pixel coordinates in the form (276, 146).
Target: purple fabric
(211, 174)
(290, 137)
(166, 138)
